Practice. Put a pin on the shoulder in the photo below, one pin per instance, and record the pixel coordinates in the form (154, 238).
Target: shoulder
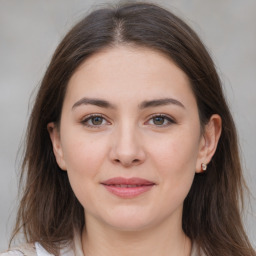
(38, 250)
(22, 250)
(12, 253)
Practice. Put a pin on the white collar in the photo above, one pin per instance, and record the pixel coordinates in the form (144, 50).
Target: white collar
(73, 249)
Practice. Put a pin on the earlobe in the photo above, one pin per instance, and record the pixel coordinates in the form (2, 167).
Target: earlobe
(209, 142)
(56, 144)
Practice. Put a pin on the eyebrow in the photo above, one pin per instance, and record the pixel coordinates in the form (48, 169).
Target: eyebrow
(92, 101)
(160, 102)
(145, 104)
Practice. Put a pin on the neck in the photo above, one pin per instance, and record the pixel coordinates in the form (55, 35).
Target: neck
(165, 240)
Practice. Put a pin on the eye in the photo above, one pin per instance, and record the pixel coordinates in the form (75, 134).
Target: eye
(161, 120)
(94, 121)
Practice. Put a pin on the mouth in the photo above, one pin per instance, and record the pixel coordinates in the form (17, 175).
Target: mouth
(128, 188)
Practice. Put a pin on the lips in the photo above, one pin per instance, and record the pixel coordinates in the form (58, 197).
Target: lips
(128, 188)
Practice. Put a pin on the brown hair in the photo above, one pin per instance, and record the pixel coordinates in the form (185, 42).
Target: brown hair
(49, 210)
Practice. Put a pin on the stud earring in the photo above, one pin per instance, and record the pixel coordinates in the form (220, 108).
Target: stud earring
(204, 167)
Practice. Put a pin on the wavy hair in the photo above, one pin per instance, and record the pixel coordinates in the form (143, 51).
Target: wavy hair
(49, 210)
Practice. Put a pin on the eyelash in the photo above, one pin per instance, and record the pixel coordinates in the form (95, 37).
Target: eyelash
(86, 120)
(166, 118)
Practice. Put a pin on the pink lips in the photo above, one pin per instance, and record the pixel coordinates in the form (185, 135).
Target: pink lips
(127, 188)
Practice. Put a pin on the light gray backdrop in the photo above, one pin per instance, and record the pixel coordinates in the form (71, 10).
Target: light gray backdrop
(30, 30)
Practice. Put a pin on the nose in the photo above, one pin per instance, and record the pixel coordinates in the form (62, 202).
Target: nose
(127, 147)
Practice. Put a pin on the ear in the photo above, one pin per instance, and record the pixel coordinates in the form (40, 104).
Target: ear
(209, 141)
(56, 144)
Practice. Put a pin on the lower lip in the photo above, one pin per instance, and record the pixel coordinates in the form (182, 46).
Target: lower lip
(125, 192)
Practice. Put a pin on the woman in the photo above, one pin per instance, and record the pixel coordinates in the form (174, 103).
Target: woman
(131, 148)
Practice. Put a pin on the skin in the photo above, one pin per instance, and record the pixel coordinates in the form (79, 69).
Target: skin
(163, 144)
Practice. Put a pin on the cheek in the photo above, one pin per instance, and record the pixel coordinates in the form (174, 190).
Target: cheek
(83, 154)
(175, 158)
(84, 157)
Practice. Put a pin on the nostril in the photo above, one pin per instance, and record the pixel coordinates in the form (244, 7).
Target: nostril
(127, 163)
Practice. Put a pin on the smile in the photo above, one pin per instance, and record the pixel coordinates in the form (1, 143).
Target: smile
(127, 188)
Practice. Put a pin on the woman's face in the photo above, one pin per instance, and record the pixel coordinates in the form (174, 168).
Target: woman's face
(129, 138)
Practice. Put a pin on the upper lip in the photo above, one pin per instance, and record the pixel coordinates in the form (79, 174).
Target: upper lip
(127, 181)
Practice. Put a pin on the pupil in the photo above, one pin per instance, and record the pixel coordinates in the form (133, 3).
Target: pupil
(97, 120)
(158, 120)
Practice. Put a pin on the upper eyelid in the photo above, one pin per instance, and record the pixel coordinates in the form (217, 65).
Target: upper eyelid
(170, 121)
(92, 115)
(162, 115)
(85, 121)
(87, 117)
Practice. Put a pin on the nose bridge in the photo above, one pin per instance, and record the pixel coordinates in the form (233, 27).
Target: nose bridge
(127, 137)
(127, 148)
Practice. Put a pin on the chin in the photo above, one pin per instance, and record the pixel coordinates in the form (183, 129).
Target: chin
(130, 221)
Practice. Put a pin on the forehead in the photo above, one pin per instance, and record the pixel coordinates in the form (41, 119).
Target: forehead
(128, 72)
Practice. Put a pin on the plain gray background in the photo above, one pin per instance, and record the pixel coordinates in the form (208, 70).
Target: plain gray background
(30, 31)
